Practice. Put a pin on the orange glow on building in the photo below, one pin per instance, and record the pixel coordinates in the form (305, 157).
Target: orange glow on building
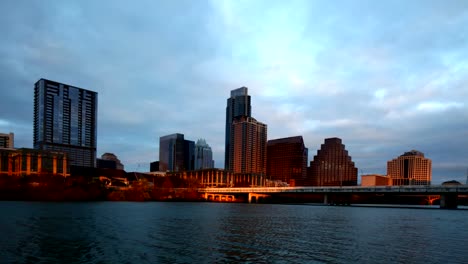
(248, 146)
(411, 168)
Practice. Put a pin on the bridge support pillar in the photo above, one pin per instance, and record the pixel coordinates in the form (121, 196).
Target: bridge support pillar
(255, 197)
(448, 201)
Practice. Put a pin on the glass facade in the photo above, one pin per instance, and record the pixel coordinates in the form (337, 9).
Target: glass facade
(287, 160)
(176, 153)
(65, 120)
(203, 155)
(237, 105)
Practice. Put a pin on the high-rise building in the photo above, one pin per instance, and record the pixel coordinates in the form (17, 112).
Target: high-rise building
(287, 160)
(237, 105)
(7, 140)
(203, 155)
(65, 120)
(332, 166)
(248, 146)
(411, 168)
(176, 153)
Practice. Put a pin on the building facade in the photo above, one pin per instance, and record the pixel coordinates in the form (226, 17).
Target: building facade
(65, 120)
(411, 168)
(332, 166)
(287, 160)
(248, 146)
(237, 105)
(203, 155)
(375, 180)
(7, 140)
(26, 162)
(221, 178)
(176, 153)
(109, 161)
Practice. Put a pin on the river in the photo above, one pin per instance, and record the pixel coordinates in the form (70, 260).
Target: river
(159, 232)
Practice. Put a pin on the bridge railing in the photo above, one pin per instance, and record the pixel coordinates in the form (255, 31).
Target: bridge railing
(344, 189)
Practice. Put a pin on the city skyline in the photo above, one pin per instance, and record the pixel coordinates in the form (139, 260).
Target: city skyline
(380, 76)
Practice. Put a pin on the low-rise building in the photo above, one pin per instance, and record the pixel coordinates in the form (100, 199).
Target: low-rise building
(25, 162)
(375, 180)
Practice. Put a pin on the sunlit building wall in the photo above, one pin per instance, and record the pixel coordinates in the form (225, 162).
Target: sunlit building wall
(65, 120)
(237, 105)
(375, 180)
(287, 160)
(411, 168)
(248, 148)
(332, 166)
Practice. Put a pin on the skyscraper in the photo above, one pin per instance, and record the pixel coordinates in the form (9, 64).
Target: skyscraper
(65, 120)
(7, 140)
(411, 168)
(332, 166)
(203, 155)
(248, 146)
(175, 153)
(287, 160)
(237, 105)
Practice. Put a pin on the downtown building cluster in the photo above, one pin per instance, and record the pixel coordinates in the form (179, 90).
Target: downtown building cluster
(65, 135)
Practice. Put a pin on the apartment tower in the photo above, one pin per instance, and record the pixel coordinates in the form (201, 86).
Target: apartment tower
(248, 146)
(65, 120)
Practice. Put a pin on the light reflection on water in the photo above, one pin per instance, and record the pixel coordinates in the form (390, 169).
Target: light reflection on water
(123, 232)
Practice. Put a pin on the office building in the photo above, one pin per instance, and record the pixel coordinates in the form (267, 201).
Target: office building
(332, 166)
(203, 155)
(7, 140)
(411, 168)
(27, 162)
(65, 120)
(237, 105)
(248, 146)
(287, 160)
(176, 153)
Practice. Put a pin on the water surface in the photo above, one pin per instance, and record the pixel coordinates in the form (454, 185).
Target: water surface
(125, 232)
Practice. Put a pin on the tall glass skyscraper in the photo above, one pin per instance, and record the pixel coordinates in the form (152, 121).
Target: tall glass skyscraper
(65, 120)
(237, 105)
(176, 153)
(203, 155)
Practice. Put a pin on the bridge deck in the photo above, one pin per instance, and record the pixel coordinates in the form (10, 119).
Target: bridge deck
(433, 189)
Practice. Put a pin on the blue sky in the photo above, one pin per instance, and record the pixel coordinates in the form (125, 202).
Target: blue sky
(385, 76)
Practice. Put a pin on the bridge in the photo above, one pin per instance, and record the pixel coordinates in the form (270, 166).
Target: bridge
(448, 195)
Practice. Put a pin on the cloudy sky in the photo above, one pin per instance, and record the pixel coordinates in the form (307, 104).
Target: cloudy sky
(385, 76)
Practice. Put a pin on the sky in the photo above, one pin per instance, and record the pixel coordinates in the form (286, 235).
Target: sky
(384, 76)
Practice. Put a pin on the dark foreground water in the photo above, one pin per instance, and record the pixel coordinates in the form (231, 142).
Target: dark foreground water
(107, 232)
